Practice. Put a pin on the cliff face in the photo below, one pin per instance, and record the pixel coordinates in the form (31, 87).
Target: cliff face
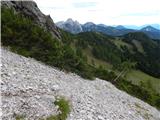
(30, 9)
(29, 89)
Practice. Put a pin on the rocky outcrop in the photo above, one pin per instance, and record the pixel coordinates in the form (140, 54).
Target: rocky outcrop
(70, 26)
(29, 88)
(30, 9)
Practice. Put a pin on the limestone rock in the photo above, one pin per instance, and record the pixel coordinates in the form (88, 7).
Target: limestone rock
(30, 9)
(70, 26)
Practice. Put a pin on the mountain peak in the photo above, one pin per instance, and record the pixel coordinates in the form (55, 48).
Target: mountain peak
(120, 27)
(149, 28)
(70, 25)
(69, 20)
(89, 23)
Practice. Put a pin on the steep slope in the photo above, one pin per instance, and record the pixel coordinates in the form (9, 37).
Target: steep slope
(24, 37)
(29, 89)
(30, 10)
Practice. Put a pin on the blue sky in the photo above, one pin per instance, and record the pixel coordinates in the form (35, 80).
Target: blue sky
(109, 12)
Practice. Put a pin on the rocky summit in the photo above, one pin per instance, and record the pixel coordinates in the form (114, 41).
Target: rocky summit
(70, 26)
(29, 88)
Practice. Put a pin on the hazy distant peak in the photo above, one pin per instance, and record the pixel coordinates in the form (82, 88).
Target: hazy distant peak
(69, 20)
(120, 27)
(102, 25)
(89, 23)
(150, 29)
(70, 25)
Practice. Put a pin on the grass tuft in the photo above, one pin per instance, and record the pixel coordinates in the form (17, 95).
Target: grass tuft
(64, 109)
(19, 117)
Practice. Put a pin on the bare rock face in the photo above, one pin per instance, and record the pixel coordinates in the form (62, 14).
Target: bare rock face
(70, 26)
(30, 9)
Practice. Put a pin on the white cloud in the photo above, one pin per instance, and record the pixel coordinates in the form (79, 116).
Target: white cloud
(136, 12)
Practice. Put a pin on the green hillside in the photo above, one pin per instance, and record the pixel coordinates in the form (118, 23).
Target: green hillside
(88, 54)
(142, 79)
(146, 52)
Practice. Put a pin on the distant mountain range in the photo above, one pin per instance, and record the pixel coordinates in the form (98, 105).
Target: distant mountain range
(75, 27)
(157, 26)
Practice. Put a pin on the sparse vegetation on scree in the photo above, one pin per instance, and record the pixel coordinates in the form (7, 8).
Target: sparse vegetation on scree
(23, 36)
(64, 108)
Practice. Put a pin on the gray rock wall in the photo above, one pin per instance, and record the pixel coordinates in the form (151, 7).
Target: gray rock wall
(31, 10)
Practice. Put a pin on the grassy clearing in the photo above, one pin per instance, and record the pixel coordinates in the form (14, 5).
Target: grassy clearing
(96, 62)
(137, 77)
(119, 43)
(138, 46)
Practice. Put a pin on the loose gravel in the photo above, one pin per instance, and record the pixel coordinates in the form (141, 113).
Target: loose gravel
(29, 89)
